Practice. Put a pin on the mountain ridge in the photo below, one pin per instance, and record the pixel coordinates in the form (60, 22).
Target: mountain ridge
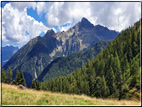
(34, 56)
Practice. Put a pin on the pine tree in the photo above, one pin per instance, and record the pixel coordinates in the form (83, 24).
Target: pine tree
(117, 68)
(38, 87)
(9, 78)
(135, 70)
(105, 89)
(22, 79)
(33, 85)
(3, 75)
(101, 89)
(110, 77)
(98, 88)
(19, 79)
(91, 76)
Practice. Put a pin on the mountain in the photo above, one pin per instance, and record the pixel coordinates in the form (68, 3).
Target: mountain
(114, 73)
(34, 56)
(7, 53)
(65, 65)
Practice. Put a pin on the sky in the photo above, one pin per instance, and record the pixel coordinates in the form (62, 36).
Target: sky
(22, 21)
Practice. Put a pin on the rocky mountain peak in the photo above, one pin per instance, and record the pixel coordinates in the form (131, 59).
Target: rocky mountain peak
(50, 33)
(86, 24)
(84, 20)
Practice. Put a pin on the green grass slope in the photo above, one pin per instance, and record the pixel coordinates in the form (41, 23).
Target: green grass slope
(11, 95)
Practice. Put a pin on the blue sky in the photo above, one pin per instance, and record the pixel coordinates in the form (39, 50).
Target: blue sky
(33, 13)
(22, 21)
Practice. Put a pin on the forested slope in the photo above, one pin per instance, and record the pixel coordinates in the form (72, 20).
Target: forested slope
(65, 65)
(114, 73)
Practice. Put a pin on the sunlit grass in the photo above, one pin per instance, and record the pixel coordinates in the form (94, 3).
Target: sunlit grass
(11, 95)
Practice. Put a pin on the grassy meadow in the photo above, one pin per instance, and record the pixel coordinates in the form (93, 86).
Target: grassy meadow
(11, 95)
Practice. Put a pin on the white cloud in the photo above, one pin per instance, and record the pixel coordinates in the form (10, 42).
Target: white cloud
(114, 15)
(16, 23)
(22, 5)
(43, 7)
(61, 13)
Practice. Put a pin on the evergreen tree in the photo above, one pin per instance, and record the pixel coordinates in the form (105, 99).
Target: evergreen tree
(38, 87)
(33, 85)
(98, 92)
(101, 89)
(3, 75)
(118, 74)
(22, 79)
(92, 83)
(17, 78)
(135, 71)
(91, 76)
(110, 77)
(105, 89)
(117, 68)
(9, 78)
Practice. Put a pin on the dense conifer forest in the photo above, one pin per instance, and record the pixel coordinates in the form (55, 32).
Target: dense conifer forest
(114, 73)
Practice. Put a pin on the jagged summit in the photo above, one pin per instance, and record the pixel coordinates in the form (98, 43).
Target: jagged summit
(86, 24)
(84, 20)
(50, 32)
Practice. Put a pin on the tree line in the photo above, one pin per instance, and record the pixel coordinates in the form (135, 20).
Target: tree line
(19, 79)
(7, 78)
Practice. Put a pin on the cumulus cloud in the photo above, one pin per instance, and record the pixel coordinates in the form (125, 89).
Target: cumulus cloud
(66, 12)
(114, 15)
(43, 7)
(22, 5)
(15, 24)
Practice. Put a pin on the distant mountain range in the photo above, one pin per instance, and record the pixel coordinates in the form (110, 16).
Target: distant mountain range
(34, 56)
(7, 53)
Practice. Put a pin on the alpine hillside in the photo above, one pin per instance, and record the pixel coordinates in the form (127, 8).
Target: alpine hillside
(65, 65)
(114, 73)
(34, 56)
